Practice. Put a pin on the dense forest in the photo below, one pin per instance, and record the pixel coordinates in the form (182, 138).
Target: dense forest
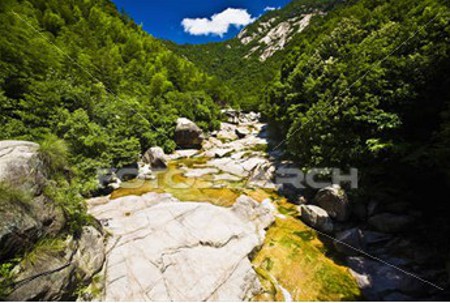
(367, 86)
(364, 85)
(83, 72)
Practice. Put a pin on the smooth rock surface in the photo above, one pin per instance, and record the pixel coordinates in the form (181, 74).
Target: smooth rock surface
(162, 249)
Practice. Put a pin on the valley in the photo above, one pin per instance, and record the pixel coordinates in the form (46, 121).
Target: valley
(136, 169)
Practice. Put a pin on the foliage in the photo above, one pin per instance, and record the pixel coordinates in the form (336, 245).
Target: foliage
(10, 194)
(367, 87)
(238, 64)
(90, 75)
(54, 154)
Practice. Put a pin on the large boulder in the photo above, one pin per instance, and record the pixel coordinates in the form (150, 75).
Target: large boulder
(26, 214)
(57, 269)
(163, 249)
(335, 202)
(390, 223)
(155, 157)
(188, 134)
(20, 165)
(316, 217)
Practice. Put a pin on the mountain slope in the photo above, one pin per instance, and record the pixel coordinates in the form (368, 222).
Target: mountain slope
(368, 89)
(85, 72)
(250, 61)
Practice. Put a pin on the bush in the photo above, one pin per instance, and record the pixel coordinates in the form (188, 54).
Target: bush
(54, 154)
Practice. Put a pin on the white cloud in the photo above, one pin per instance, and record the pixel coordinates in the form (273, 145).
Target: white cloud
(270, 8)
(217, 24)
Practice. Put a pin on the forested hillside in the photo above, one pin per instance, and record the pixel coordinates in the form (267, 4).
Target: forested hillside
(88, 74)
(368, 87)
(251, 60)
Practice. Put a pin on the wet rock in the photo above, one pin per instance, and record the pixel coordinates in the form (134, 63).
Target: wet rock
(155, 157)
(335, 202)
(188, 134)
(163, 249)
(316, 217)
(390, 223)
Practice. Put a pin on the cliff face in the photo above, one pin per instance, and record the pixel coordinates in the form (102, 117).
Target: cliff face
(48, 262)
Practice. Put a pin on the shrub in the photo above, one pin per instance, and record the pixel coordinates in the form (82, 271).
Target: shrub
(54, 154)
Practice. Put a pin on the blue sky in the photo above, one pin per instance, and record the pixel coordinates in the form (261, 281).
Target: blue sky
(195, 21)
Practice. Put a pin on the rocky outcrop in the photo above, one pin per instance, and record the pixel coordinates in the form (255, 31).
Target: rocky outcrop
(32, 228)
(334, 201)
(26, 214)
(188, 134)
(272, 36)
(20, 165)
(316, 217)
(53, 273)
(162, 249)
(155, 157)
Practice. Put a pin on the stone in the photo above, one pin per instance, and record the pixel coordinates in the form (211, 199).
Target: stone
(198, 172)
(24, 220)
(349, 242)
(335, 202)
(377, 279)
(316, 217)
(183, 153)
(390, 223)
(262, 176)
(242, 132)
(21, 166)
(231, 115)
(145, 172)
(161, 249)
(156, 157)
(217, 152)
(228, 165)
(55, 273)
(188, 134)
